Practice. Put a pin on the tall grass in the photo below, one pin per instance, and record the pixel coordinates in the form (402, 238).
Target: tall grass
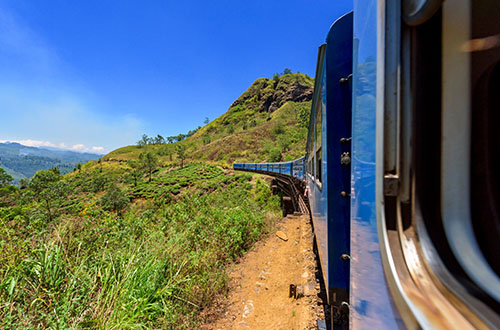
(156, 266)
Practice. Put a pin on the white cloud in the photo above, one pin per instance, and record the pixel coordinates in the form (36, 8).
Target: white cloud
(76, 147)
(50, 118)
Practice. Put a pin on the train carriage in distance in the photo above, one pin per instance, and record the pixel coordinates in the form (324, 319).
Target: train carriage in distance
(401, 167)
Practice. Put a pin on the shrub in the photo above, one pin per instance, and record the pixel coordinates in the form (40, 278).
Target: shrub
(114, 200)
(303, 115)
(274, 155)
(206, 138)
(278, 129)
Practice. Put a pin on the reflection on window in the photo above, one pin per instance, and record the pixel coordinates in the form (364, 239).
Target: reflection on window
(318, 165)
(318, 128)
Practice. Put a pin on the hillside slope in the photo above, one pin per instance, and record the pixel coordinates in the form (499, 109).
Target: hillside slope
(141, 238)
(268, 122)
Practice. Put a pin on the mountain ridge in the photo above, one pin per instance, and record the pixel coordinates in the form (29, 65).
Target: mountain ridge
(21, 161)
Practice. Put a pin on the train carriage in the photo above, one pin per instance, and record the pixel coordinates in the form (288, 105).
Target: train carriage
(401, 165)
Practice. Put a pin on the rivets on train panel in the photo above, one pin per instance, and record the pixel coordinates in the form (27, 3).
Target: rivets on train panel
(345, 140)
(344, 194)
(345, 159)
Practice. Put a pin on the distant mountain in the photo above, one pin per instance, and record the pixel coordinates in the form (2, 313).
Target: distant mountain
(21, 161)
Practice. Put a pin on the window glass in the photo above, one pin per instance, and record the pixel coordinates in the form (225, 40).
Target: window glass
(318, 124)
(314, 134)
(318, 165)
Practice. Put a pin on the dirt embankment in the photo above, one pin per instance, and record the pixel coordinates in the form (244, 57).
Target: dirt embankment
(258, 297)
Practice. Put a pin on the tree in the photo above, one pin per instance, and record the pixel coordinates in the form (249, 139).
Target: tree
(287, 71)
(97, 182)
(143, 141)
(170, 139)
(99, 161)
(114, 200)
(5, 178)
(158, 139)
(274, 155)
(149, 162)
(206, 138)
(278, 129)
(179, 137)
(181, 153)
(303, 116)
(136, 172)
(48, 189)
(206, 121)
(23, 183)
(166, 151)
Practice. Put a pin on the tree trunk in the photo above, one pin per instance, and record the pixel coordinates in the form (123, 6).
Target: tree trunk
(48, 209)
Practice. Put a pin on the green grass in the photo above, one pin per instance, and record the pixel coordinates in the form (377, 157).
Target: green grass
(155, 266)
(115, 251)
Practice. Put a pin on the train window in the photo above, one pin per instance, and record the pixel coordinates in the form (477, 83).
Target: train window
(318, 165)
(318, 123)
(310, 146)
(318, 126)
(318, 139)
(440, 89)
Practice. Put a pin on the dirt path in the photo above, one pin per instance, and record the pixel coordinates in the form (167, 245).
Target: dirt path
(259, 288)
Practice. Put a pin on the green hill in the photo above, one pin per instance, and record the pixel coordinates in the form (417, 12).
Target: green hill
(141, 238)
(268, 122)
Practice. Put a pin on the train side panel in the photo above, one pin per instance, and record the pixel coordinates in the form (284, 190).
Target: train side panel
(294, 168)
(338, 133)
(371, 302)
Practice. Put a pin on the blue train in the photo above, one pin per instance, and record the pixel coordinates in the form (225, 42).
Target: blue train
(294, 168)
(401, 165)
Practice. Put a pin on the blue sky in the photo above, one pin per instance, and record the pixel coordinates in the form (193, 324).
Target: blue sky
(95, 75)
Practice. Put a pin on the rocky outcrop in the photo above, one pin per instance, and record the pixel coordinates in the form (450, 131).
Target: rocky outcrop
(268, 95)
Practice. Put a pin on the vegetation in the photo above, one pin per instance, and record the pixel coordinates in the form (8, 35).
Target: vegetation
(146, 140)
(266, 123)
(20, 161)
(141, 237)
(5, 178)
(112, 254)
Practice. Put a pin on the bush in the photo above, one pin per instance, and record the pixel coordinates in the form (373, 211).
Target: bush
(274, 155)
(153, 267)
(114, 200)
(263, 196)
(278, 129)
(206, 138)
(303, 115)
